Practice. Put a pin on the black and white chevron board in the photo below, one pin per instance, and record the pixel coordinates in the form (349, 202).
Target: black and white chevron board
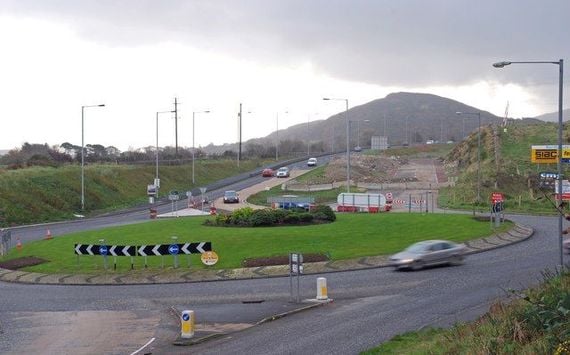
(143, 250)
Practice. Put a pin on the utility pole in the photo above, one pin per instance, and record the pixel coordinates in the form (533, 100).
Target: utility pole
(239, 135)
(176, 124)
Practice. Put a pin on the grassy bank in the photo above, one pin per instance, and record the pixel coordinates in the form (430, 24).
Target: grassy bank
(351, 236)
(535, 323)
(42, 194)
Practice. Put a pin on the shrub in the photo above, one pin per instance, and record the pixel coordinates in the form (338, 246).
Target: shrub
(242, 216)
(305, 217)
(292, 218)
(323, 213)
(263, 217)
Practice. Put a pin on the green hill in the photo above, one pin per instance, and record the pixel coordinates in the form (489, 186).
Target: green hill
(505, 166)
(42, 194)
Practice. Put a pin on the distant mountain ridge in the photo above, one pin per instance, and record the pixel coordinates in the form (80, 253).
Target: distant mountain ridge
(404, 117)
(553, 116)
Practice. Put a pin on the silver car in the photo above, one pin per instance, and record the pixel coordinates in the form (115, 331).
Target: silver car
(429, 252)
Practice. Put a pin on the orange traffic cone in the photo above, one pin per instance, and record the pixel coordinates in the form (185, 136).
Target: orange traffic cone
(18, 244)
(48, 234)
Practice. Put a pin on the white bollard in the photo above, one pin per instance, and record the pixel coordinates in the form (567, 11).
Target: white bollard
(187, 324)
(322, 289)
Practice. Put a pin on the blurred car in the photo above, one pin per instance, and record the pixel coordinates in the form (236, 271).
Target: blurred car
(267, 173)
(312, 162)
(358, 149)
(282, 172)
(566, 246)
(231, 197)
(427, 253)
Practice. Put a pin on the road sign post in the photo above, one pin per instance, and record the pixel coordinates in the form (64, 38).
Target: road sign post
(295, 269)
(497, 200)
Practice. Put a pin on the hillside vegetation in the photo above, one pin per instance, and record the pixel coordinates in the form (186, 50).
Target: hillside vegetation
(505, 166)
(41, 194)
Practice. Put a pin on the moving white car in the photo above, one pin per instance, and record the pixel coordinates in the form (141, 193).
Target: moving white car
(312, 162)
(282, 172)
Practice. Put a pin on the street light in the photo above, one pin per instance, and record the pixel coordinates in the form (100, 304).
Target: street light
(560, 64)
(82, 154)
(358, 131)
(156, 179)
(309, 134)
(478, 114)
(347, 140)
(193, 147)
(277, 140)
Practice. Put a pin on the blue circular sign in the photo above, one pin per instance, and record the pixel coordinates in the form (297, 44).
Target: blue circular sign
(185, 317)
(173, 249)
(103, 250)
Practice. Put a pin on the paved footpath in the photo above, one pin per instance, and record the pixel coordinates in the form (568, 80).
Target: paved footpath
(182, 275)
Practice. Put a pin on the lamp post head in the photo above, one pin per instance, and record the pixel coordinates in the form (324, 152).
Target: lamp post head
(459, 113)
(501, 64)
(102, 105)
(326, 98)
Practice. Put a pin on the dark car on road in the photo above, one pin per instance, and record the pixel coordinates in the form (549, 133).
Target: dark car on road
(267, 172)
(231, 197)
(427, 253)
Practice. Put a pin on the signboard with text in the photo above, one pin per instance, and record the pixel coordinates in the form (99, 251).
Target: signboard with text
(548, 154)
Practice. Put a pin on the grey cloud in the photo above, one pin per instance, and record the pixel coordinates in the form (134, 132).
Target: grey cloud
(401, 43)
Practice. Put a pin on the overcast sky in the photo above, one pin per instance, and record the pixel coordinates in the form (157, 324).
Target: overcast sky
(274, 56)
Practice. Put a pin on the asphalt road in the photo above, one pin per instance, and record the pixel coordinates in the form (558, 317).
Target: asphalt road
(369, 306)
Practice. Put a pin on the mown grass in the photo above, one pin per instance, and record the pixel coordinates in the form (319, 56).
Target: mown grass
(536, 323)
(43, 194)
(351, 236)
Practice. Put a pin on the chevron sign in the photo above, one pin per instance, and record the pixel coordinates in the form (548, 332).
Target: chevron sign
(143, 250)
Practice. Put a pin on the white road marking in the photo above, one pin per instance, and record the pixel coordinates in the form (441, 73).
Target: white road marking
(144, 346)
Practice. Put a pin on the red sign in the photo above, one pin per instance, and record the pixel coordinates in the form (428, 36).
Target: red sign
(497, 197)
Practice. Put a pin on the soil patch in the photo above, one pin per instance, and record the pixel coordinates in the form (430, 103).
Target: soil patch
(22, 262)
(282, 260)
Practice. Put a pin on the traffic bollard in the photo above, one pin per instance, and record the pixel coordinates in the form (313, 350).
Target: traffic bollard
(322, 289)
(187, 324)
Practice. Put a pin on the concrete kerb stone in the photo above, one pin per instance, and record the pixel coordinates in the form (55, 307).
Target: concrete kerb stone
(518, 234)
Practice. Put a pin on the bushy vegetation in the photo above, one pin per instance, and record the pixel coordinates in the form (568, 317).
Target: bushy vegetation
(536, 322)
(506, 168)
(248, 217)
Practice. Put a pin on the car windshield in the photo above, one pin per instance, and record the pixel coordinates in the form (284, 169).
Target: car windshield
(230, 194)
(284, 170)
(417, 248)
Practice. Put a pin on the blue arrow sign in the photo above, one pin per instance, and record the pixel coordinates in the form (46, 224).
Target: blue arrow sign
(103, 250)
(185, 317)
(173, 249)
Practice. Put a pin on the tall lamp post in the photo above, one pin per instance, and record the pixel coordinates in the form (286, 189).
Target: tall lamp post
(347, 140)
(478, 114)
(193, 146)
(309, 134)
(277, 133)
(560, 64)
(156, 179)
(82, 154)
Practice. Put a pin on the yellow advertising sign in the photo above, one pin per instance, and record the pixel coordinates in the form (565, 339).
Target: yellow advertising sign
(548, 154)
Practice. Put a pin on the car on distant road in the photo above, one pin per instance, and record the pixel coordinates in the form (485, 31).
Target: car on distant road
(231, 197)
(428, 253)
(267, 172)
(312, 162)
(358, 149)
(282, 172)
